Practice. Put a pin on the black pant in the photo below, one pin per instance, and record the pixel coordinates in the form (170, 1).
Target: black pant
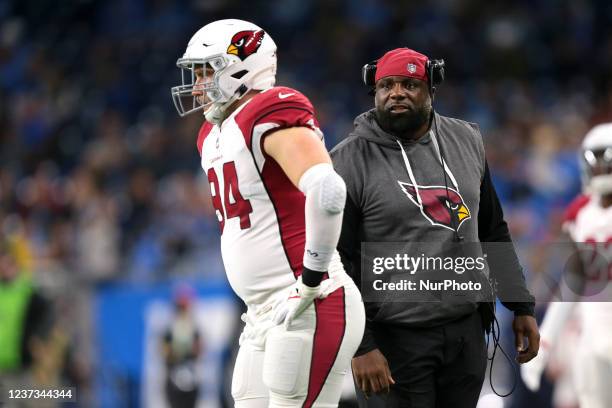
(438, 367)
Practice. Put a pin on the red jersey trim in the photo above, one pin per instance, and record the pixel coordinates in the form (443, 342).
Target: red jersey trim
(571, 213)
(202, 134)
(288, 203)
(269, 103)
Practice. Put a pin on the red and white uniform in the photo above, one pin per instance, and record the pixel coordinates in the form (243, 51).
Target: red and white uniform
(262, 222)
(590, 226)
(260, 212)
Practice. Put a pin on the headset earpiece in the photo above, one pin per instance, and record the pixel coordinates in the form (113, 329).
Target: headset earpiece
(368, 73)
(435, 73)
(434, 69)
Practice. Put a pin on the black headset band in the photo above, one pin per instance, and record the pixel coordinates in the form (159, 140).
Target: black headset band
(434, 69)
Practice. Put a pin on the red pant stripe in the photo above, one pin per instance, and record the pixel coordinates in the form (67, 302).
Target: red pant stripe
(329, 332)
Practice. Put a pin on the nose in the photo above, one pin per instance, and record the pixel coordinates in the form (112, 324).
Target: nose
(397, 91)
(197, 88)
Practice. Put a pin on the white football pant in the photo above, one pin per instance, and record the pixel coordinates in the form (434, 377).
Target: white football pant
(305, 365)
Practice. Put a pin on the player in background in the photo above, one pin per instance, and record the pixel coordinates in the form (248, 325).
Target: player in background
(279, 203)
(588, 222)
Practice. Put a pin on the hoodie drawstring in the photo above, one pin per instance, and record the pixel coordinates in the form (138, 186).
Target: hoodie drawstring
(446, 168)
(411, 174)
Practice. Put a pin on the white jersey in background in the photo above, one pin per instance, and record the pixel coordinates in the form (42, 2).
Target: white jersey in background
(590, 226)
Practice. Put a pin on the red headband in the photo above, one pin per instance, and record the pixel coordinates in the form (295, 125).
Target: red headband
(402, 62)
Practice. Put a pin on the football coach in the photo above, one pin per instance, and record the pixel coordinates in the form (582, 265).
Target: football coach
(413, 175)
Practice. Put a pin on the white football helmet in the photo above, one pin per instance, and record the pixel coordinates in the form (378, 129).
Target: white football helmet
(242, 56)
(596, 160)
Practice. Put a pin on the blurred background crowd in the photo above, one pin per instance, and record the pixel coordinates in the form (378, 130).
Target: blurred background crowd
(101, 190)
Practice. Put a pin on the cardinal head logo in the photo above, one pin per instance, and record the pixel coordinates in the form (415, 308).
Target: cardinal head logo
(245, 43)
(442, 206)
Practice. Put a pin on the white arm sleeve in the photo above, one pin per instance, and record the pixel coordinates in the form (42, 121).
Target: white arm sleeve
(325, 197)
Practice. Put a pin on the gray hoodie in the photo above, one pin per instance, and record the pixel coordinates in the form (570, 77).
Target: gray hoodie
(394, 194)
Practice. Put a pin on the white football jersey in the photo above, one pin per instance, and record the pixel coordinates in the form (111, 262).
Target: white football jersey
(260, 211)
(590, 226)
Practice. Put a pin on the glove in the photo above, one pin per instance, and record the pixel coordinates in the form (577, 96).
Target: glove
(303, 297)
(531, 372)
(300, 297)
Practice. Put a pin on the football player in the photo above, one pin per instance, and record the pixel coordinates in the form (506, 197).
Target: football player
(279, 204)
(588, 222)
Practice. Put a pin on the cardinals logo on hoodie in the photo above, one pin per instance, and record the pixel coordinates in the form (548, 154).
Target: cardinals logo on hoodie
(442, 206)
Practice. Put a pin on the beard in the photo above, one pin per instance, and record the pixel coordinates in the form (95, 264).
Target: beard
(403, 124)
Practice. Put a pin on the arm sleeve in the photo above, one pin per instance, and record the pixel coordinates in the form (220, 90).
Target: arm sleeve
(325, 194)
(367, 342)
(503, 261)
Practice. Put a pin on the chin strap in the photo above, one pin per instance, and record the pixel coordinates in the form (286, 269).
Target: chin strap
(216, 113)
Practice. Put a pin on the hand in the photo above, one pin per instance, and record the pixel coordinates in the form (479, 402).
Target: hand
(371, 373)
(300, 297)
(303, 297)
(526, 326)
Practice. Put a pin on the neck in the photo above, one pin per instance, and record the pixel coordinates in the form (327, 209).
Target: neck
(408, 135)
(420, 132)
(232, 108)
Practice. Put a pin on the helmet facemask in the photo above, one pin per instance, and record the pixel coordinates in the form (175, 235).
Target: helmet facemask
(183, 95)
(597, 169)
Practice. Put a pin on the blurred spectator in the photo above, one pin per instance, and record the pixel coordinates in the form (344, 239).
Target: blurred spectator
(182, 346)
(24, 319)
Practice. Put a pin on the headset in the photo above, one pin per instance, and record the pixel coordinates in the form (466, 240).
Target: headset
(434, 69)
